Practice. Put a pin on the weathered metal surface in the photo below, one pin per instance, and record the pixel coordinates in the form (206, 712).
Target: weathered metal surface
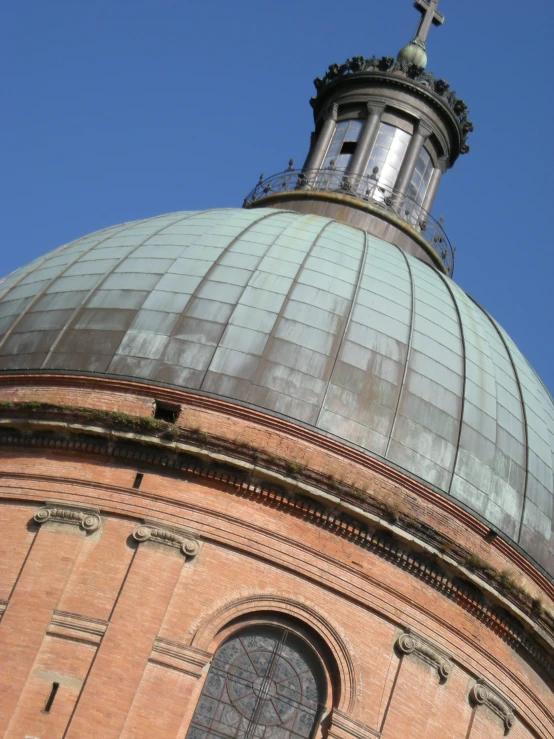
(364, 189)
(313, 319)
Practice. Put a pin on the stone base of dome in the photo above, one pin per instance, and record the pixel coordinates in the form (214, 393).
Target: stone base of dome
(414, 642)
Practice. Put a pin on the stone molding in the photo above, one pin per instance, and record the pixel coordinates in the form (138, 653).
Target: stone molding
(401, 72)
(181, 657)
(194, 464)
(3, 606)
(348, 669)
(168, 535)
(484, 694)
(86, 517)
(77, 627)
(344, 727)
(411, 643)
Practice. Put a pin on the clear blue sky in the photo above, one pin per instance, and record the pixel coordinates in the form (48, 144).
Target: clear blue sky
(122, 109)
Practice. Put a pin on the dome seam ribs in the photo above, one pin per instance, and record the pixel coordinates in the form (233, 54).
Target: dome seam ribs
(41, 292)
(523, 408)
(359, 279)
(408, 351)
(464, 380)
(285, 303)
(253, 272)
(50, 254)
(101, 281)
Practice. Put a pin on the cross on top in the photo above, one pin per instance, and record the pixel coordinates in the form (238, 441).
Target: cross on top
(429, 15)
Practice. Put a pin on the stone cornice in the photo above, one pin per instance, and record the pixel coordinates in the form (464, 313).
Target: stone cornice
(181, 657)
(327, 511)
(411, 643)
(401, 72)
(76, 627)
(86, 517)
(364, 529)
(484, 694)
(271, 421)
(171, 536)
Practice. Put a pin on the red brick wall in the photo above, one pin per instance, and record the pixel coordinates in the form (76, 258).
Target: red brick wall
(128, 601)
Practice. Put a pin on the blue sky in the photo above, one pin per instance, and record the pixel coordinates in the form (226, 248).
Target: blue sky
(122, 109)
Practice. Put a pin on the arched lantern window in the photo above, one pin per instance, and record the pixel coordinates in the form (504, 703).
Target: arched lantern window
(265, 682)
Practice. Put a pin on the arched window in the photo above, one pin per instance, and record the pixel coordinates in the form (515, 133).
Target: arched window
(265, 682)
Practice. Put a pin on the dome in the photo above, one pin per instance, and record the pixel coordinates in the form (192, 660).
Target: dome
(311, 319)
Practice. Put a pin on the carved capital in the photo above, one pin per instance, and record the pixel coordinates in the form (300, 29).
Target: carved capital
(423, 130)
(86, 517)
(332, 112)
(376, 109)
(410, 643)
(483, 694)
(169, 536)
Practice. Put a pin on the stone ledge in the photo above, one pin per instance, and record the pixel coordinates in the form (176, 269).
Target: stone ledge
(345, 727)
(179, 657)
(77, 627)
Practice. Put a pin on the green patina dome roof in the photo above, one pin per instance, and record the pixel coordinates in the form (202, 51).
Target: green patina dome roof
(314, 320)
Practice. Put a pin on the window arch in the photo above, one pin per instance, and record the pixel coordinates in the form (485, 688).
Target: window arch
(265, 682)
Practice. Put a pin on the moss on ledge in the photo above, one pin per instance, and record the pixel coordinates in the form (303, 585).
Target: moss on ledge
(146, 426)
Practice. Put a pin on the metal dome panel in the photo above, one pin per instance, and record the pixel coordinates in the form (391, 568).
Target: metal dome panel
(312, 319)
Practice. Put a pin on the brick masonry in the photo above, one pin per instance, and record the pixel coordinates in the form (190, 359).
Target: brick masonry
(127, 629)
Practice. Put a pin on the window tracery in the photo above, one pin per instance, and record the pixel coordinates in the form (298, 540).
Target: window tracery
(266, 682)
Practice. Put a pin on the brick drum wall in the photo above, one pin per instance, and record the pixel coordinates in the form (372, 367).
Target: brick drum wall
(121, 591)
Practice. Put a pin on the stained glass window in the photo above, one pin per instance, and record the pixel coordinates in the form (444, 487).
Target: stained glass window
(264, 682)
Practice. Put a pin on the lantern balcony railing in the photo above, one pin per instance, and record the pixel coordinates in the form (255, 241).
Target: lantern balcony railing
(367, 189)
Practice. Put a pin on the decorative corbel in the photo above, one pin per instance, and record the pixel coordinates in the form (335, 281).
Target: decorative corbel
(86, 517)
(168, 535)
(483, 694)
(410, 643)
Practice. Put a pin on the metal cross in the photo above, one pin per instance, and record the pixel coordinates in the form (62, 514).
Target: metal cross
(429, 15)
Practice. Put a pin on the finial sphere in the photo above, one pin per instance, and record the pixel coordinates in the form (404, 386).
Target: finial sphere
(413, 54)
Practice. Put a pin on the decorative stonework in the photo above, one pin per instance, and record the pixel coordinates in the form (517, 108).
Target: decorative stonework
(87, 518)
(344, 727)
(187, 659)
(410, 643)
(483, 694)
(403, 70)
(77, 627)
(375, 540)
(172, 537)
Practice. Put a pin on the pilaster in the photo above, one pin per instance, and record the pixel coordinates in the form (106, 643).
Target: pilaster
(161, 552)
(367, 140)
(317, 154)
(407, 168)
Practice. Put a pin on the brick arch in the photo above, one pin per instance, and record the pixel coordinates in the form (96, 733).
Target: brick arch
(343, 657)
